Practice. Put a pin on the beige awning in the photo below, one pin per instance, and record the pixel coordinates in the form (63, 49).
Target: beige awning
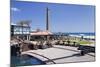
(41, 33)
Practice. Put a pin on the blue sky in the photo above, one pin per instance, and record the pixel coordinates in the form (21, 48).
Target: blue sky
(63, 17)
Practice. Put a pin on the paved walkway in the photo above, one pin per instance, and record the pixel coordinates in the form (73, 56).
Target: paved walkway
(60, 54)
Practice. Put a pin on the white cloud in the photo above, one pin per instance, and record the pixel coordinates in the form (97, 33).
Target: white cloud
(15, 9)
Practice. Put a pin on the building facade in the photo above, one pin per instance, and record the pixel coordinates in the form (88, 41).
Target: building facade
(20, 31)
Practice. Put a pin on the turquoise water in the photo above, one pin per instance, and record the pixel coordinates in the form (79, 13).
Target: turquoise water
(25, 60)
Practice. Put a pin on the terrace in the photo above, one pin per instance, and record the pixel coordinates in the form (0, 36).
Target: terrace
(60, 54)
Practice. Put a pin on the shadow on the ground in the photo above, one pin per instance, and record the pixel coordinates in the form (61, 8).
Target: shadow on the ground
(77, 55)
(83, 50)
(66, 49)
(73, 55)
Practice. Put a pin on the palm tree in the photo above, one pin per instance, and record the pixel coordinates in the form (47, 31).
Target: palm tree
(68, 42)
(24, 23)
(74, 43)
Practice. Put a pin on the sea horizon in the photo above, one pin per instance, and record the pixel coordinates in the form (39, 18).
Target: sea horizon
(77, 33)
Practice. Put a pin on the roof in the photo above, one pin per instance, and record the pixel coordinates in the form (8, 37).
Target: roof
(24, 25)
(41, 33)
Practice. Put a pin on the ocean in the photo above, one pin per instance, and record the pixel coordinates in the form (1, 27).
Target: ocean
(76, 33)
